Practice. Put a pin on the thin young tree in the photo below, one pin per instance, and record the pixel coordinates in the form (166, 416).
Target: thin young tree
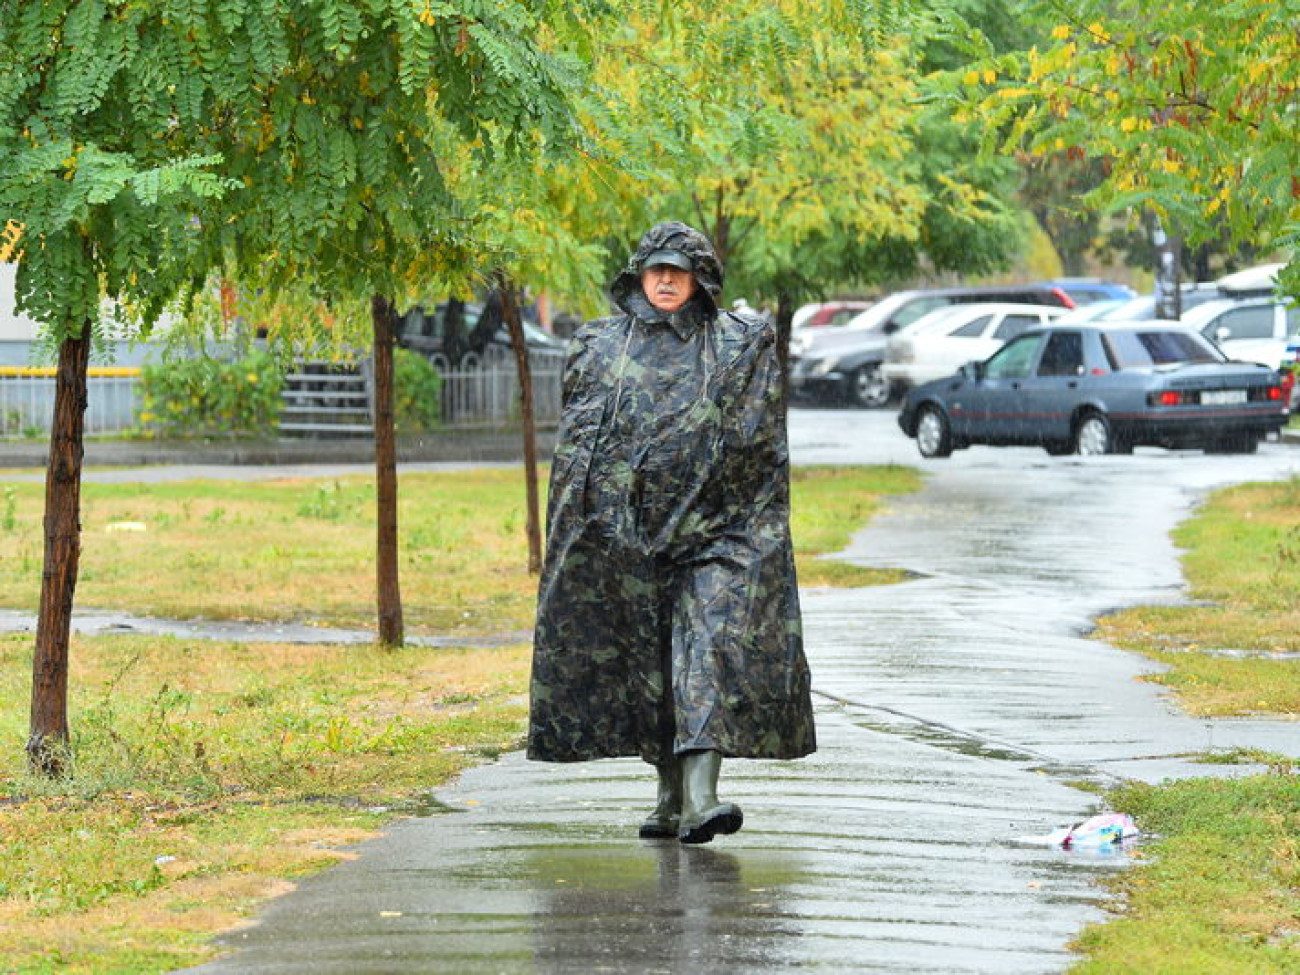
(142, 146)
(106, 193)
(347, 152)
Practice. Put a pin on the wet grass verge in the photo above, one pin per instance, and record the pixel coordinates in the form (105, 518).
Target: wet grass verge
(208, 776)
(1218, 890)
(301, 549)
(828, 506)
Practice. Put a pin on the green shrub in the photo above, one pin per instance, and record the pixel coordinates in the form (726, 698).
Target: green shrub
(205, 397)
(417, 392)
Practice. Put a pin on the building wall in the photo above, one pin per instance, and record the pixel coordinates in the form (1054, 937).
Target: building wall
(13, 327)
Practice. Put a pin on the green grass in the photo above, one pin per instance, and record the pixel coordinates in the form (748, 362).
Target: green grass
(303, 550)
(1217, 892)
(828, 505)
(207, 775)
(1232, 651)
(1218, 889)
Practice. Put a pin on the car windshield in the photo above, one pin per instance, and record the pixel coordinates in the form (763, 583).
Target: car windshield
(1132, 349)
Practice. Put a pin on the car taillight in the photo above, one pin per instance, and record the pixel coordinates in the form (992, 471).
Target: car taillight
(1166, 397)
(1281, 394)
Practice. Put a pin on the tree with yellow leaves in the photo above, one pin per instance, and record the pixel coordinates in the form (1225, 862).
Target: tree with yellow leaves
(796, 135)
(1192, 108)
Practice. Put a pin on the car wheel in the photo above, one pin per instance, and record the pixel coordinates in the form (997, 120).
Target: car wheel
(868, 388)
(933, 434)
(1093, 436)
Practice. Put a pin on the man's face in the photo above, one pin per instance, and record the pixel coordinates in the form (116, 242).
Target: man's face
(667, 287)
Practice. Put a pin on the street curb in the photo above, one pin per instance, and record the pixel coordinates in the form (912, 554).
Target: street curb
(477, 446)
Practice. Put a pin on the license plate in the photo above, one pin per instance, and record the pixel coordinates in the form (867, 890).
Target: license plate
(1222, 397)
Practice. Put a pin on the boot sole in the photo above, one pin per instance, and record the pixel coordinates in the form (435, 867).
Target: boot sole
(657, 831)
(719, 821)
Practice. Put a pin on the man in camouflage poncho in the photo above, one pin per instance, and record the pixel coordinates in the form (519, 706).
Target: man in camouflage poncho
(668, 616)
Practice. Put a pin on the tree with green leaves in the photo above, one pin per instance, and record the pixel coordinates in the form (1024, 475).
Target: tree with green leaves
(797, 137)
(106, 194)
(144, 146)
(346, 154)
(1190, 108)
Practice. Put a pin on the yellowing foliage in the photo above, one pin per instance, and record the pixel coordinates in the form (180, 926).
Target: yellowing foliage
(1190, 105)
(9, 238)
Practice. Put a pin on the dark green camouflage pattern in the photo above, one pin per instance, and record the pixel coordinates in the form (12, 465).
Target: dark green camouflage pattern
(668, 542)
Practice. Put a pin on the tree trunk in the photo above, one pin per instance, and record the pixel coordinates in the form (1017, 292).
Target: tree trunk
(510, 312)
(383, 318)
(47, 741)
(784, 325)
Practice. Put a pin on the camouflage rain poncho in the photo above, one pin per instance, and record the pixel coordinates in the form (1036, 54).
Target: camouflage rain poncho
(668, 544)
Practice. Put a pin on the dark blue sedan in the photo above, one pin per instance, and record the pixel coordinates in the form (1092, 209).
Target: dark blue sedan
(1099, 388)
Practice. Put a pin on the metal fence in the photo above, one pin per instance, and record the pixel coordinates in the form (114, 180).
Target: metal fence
(27, 404)
(482, 397)
(488, 395)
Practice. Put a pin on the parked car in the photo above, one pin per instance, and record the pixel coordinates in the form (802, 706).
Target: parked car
(460, 334)
(1290, 370)
(844, 363)
(1093, 311)
(1099, 389)
(824, 314)
(1253, 282)
(1143, 307)
(936, 344)
(1252, 329)
(1085, 291)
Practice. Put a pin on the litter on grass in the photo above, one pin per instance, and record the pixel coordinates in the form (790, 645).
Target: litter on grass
(1106, 830)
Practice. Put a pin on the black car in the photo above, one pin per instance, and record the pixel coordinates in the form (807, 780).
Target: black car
(464, 335)
(1099, 388)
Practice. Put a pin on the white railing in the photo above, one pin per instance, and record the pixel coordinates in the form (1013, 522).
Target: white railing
(488, 395)
(27, 404)
(484, 396)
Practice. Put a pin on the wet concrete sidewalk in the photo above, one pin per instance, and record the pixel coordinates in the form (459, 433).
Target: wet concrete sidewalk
(957, 714)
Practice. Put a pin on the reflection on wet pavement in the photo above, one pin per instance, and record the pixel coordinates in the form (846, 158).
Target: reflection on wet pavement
(876, 854)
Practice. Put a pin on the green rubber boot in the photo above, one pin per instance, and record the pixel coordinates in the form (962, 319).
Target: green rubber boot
(662, 823)
(703, 816)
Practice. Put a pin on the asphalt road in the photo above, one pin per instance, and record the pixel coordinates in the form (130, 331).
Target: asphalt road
(957, 715)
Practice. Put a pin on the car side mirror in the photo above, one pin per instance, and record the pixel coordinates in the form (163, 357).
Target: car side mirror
(973, 371)
(890, 328)
(1222, 332)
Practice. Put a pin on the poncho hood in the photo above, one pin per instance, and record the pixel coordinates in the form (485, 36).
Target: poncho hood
(671, 235)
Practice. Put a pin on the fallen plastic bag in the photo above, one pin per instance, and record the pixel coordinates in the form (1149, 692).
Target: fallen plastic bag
(1108, 829)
